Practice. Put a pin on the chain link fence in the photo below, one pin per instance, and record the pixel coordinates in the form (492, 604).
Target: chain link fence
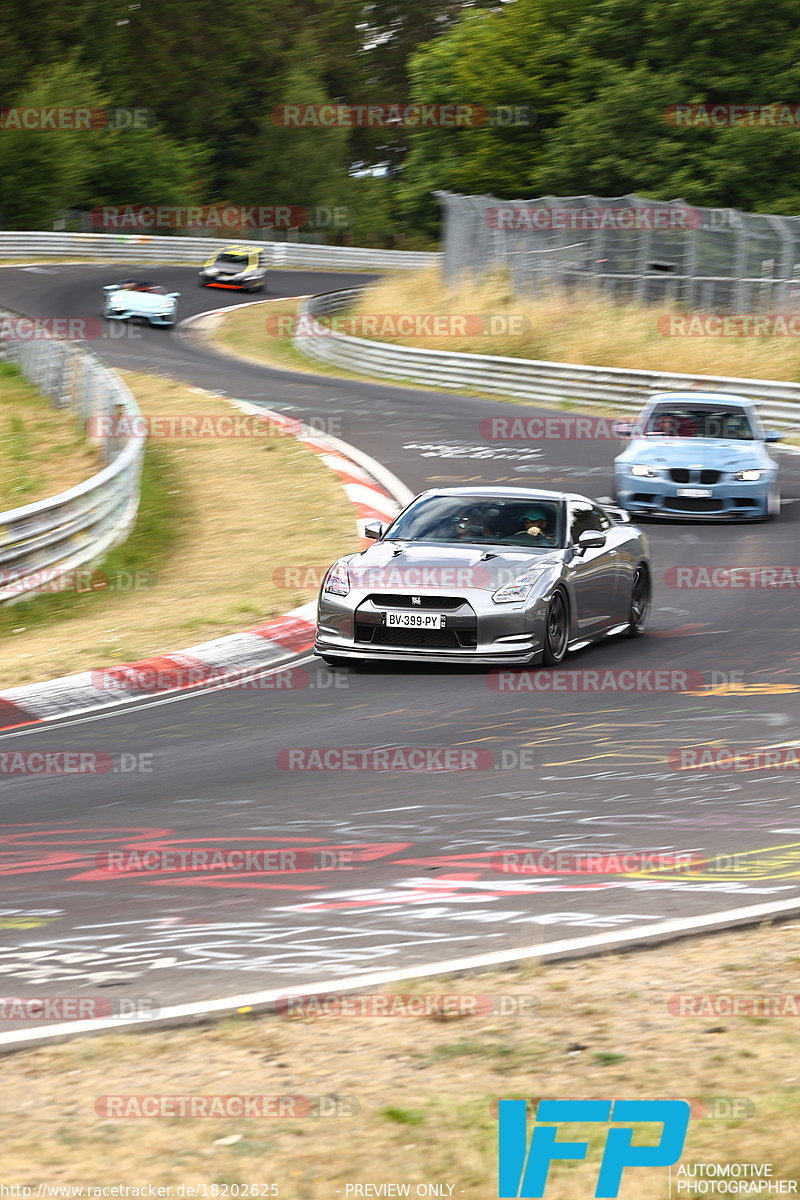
(710, 259)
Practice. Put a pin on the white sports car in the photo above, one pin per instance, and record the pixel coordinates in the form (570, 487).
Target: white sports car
(140, 298)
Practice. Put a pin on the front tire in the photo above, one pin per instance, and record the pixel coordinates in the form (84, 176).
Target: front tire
(641, 599)
(556, 630)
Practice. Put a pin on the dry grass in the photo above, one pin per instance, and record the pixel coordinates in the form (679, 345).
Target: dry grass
(42, 449)
(232, 512)
(243, 332)
(426, 1088)
(585, 328)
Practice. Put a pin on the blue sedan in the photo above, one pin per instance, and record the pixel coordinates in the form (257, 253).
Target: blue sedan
(698, 455)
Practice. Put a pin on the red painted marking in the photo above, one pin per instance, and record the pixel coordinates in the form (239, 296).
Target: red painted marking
(290, 632)
(12, 716)
(156, 674)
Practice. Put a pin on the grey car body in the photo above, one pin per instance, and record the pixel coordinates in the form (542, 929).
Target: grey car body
(591, 572)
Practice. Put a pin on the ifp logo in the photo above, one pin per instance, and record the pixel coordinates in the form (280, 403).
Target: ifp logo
(523, 1170)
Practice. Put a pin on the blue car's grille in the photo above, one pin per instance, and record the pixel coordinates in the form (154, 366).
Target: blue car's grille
(684, 475)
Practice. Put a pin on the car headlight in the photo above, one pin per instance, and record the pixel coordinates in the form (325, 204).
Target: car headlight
(749, 476)
(211, 270)
(337, 581)
(518, 588)
(643, 472)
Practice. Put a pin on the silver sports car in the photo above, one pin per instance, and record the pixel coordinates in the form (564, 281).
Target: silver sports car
(487, 575)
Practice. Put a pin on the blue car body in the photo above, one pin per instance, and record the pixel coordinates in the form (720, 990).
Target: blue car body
(698, 455)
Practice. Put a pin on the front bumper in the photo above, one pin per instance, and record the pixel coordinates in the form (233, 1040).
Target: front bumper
(728, 499)
(476, 630)
(237, 285)
(151, 318)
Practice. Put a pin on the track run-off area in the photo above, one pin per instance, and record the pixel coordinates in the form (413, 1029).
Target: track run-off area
(403, 872)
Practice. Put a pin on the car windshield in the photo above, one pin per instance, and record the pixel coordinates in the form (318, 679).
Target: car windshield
(695, 421)
(241, 260)
(481, 521)
(135, 285)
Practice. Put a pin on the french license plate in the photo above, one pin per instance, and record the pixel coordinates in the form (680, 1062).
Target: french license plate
(415, 620)
(697, 493)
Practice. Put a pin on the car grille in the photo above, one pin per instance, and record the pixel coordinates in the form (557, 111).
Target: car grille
(415, 639)
(684, 475)
(688, 504)
(440, 603)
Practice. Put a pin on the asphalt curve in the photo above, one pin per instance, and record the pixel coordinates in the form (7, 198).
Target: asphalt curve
(415, 877)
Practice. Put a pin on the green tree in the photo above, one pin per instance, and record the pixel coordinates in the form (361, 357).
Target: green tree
(305, 166)
(44, 171)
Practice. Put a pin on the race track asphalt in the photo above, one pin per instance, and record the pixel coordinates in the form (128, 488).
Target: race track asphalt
(582, 771)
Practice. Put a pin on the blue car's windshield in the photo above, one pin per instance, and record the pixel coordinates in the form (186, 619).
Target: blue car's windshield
(481, 521)
(699, 421)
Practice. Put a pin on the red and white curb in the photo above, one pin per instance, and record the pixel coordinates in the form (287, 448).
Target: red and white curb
(376, 495)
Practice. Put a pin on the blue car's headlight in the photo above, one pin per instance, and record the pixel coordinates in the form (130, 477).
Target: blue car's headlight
(643, 472)
(519, 588)
(337, 581)
(750, 475)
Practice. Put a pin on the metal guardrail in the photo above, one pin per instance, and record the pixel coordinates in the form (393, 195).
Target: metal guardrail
(531, 379)
(115, 247)
(40, 543)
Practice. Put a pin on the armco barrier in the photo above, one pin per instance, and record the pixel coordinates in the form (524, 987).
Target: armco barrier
(117, 247)
(42, 541)
(779, 403)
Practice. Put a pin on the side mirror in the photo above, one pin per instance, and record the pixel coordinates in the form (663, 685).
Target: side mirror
(375, 530)
(772, 435)
(591, 539)
(622, 429)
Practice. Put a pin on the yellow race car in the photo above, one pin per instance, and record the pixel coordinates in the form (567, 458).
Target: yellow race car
(238, 267)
